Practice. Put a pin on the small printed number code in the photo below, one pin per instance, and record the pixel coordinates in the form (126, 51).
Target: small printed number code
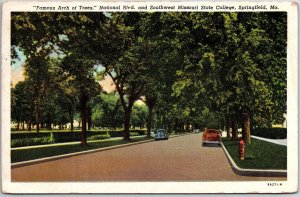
(274, 184)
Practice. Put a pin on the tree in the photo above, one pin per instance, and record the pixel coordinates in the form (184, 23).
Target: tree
(79, 62)
(36, 29)
(49, 43)
(248, 77)
(139, 115)
(108, 112)
(22, 107)
(123, 63)
(86, 86)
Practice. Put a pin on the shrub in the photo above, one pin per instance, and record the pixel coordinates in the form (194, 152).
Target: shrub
(66, 136)
(29, 135)
(141, 132)
(120, 133)
(32, 138)
(76, 136)
(134, 133)
(116, 133)
(271, 133)
(30, 141)
(98, 137)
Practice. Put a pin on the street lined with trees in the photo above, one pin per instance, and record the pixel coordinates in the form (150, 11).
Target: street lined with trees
(191, 69)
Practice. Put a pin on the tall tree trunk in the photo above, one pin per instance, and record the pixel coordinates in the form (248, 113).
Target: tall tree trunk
(18, 126)
(169, 127)
(37, 118)
(127, 123)
(234, 127)
(79, 122)
(83, 111)
(23, 126)
(72, 119)
(176, 125)
(227, 126)
(182, 126)
(246, 128)
(42, 123)
(186, 126)
(29, 126)
(89, 118)
(30, 115)
(29, 123)
(149, 120)
(48, 124)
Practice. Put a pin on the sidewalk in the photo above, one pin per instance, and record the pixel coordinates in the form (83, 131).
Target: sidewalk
(282, 142)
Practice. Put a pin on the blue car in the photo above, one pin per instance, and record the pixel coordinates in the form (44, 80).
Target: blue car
(161, 134)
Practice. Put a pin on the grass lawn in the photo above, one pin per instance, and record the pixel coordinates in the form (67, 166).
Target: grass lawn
(41, 152)
(258, 155)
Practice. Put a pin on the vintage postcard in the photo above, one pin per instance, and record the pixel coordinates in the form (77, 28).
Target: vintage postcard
(149, 97)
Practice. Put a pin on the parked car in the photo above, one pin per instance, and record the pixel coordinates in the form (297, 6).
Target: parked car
(211, 136)
(161, 134)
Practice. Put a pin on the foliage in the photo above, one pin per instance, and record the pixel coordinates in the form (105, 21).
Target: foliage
(139, 115)
(192, 69)
(31, 141)
(21, 105)
(271, 133)
(108, 112)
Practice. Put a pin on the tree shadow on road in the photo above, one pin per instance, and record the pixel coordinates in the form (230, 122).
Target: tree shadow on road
(211, 145)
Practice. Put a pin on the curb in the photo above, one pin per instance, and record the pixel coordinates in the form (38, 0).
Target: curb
(253, 172)
(36, 161)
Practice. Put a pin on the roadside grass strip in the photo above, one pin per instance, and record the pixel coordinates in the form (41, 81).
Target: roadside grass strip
(258, 155)
(20, 155)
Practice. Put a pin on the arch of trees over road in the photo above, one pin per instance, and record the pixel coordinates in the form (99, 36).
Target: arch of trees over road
(190, 68)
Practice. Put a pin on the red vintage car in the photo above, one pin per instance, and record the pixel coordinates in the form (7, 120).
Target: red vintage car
(211, 136)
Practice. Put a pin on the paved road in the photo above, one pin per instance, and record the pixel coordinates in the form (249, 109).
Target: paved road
(177, 159)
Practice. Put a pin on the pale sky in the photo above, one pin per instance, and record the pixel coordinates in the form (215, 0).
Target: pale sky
(18, 70)
(17, 73)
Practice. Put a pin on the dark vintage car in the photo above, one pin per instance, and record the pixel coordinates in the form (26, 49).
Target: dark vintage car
(211, 136)
(161, 134)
